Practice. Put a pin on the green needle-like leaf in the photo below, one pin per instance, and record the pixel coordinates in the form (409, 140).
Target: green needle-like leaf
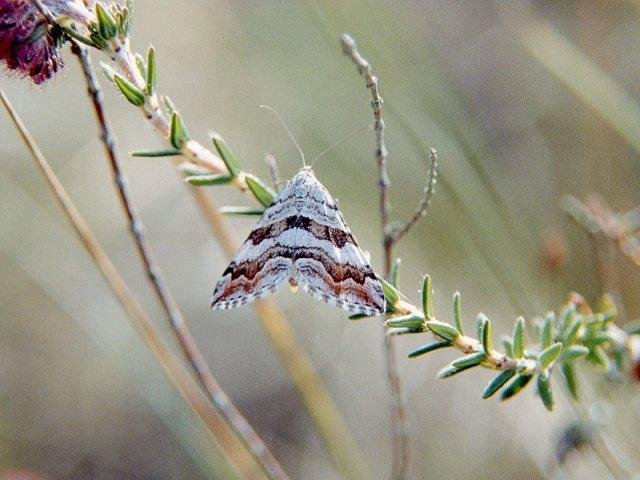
(595, 323)
(178, 133)
(210, 179)
(470, 360)
(518, 339)
(457, 312)
(598, 338)
(169, 105)
(507, 345)
(410, 321)
(107, 25)
(544, 390)
(480, 319)
(81, 38)
(572, 330)
(569, 375)
(391, 293)
(228, 157)
(129, 90)
(497, 383)
(169, 152)
(573, 352)
(241, 211)
(484, 332)
(444, 330)
(598, 356)
(151, 71)
(190, 169)
(549, 354)
(429, 347)
(394, 274)
(141, 65)
(515, 386)
(450, 370)
(546, 335)
(124, 21)
(427, 296)
(108, 71)
(262, 192)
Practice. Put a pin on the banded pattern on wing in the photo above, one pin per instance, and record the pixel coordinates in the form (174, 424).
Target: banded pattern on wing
(302, 237)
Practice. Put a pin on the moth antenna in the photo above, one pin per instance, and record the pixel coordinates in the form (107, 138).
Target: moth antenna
(346, 137)
(282, 122)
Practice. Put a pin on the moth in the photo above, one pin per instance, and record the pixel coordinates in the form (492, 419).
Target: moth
(302, 238)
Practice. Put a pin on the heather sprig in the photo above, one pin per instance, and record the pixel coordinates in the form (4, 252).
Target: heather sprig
(107, 28)
(575, 333)
(135, 76)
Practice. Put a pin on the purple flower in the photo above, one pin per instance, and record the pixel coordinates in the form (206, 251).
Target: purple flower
(27, 44)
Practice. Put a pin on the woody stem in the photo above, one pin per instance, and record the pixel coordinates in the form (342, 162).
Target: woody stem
(399, 439)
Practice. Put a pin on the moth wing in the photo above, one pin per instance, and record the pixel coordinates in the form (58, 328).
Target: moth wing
(338, 272)
(247, 280)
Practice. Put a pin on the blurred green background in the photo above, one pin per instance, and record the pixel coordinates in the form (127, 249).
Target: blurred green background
(525, 101)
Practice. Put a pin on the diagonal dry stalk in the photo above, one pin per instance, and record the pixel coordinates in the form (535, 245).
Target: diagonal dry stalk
(178, 323)
(232, 447)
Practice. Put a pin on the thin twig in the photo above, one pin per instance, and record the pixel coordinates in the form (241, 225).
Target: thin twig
(400, 439)
(44, 10)
(224, 436)
(349, 48)
(180, 328)
(425, 203)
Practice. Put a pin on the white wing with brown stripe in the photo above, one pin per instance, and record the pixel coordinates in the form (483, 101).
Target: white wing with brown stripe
(303, 238)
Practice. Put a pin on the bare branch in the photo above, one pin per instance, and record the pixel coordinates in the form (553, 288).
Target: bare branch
(422, 209)
(400, 439)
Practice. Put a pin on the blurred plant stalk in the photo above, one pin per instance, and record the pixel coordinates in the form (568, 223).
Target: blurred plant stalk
(238, 456)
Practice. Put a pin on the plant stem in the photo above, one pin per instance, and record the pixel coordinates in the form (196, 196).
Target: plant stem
(224, 436)
(178, 324)
(399, 437)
